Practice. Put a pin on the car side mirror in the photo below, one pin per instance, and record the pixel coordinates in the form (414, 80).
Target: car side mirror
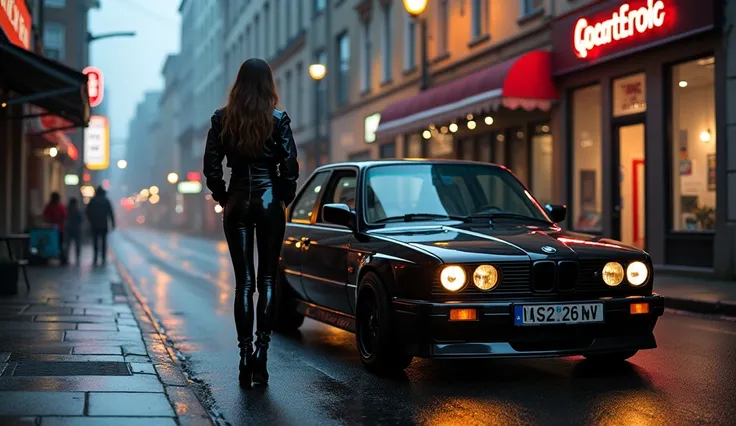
(556, 212)
(339, 214)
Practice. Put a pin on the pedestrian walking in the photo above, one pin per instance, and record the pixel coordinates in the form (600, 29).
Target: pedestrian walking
(74, 221)
(101, 217)
(256, 139)
(55, 214)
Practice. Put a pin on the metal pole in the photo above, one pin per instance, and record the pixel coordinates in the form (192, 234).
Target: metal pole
(41, 22)
(425, 61)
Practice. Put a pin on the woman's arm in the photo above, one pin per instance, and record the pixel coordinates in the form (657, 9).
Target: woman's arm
(290, 171)
(214, 153)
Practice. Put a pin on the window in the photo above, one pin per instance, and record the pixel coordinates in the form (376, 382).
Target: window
(388, 150)
(266, 26)
(344, 190)
(287, 99)
(531, 6)
(54, 39)
(414, 146)
(321, 91)
(629, 95)
(319, 6)
(542, 162)
(587, 159)
(365, 75)
(300, 15)
(343, 76)
(289, 26)
(276, 27)
(55, 3)
(478, 21)
(303, 208)
(370, 125)
(693, 146)
(443, 21)
(386, 54)
(410, 43)
(299, 110)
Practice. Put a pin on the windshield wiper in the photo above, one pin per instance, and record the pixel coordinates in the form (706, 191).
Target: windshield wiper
(507, 215)
(411, 217)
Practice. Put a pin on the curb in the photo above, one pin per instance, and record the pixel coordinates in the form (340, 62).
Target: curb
(701, 306)
(187, 405)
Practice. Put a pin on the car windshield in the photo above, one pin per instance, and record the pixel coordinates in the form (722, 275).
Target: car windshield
(444, 191)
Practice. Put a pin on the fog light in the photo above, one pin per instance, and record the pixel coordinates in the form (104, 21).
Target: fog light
(639, 308)
(463, 315)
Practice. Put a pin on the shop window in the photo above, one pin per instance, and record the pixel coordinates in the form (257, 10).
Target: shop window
(541, 143)
(693, 146)
(519, 155)
(629, 95)
(468, 149)
(587, 160)
(499, 148)
(485, 149)
(413, 147)
(343, 80)
(442, 145)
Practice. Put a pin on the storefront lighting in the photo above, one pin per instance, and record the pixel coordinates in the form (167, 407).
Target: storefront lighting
(218, 208)
(500, 137)
(682, 83)
(122, 164)
(426, 134)
(443, 129)
(87, 191)
(53, 152)
(145, 193)
(469, 117)
(545, 128)
(4, 105)
(489, 120)
(705, 136)
(519, 135)
(172, 178)
(153, 190)
(189, 187)
(71, 179)
(453, 127)
(154, 199)
(432, 127)
(471, 124)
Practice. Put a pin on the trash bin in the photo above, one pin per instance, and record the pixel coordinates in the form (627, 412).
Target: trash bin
(44, 244)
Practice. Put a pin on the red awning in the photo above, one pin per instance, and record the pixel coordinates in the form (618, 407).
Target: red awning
(522, 82)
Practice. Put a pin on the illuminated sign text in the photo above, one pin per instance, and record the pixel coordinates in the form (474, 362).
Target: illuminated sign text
(95, 85)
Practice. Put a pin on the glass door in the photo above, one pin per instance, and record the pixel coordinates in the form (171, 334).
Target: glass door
(629, 216)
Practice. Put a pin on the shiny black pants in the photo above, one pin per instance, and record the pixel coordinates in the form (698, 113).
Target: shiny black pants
(248, 215)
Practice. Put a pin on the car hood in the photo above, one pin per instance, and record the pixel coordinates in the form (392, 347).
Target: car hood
(471, 243)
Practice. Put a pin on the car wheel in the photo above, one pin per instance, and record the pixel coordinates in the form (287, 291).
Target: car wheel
(374, 335)
(286, 317)
(610, 358)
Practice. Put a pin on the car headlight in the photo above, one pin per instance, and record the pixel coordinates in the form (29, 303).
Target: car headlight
(453, 277)
(637, 273)
(485, 277)
(613, 274)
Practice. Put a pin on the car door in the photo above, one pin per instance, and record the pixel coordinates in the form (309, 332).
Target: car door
(297, 230)
(324, 266)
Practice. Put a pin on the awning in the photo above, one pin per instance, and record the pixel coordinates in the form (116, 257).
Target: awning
(522, 82)
(54, 87)
(40, 136)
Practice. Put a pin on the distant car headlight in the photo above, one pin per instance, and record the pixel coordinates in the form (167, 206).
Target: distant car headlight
(453, 277)
(637, 273)
(485, 277)
(613, 274)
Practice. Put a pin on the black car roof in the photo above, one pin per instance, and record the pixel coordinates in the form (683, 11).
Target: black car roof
(369, 163)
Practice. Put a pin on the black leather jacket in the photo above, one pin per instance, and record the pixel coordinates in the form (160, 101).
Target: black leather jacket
(276, 166)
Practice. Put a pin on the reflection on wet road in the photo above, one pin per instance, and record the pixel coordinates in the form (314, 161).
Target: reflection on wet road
(317, 378)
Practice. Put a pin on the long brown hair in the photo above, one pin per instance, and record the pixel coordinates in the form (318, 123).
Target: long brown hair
(248, 121)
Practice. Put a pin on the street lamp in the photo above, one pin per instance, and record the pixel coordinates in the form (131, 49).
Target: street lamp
(317, 71)
(415, 8)
(122, 164)
(172, 178)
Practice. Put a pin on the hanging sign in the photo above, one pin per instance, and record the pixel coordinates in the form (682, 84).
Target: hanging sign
(15, 22)
(95, 85)
(97, 143)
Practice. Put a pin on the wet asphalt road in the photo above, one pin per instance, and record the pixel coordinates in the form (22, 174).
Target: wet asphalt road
(317, 378)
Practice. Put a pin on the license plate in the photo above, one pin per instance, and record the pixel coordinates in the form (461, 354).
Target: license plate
(558, 314)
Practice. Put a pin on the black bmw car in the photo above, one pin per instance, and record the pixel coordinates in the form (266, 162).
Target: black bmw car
(451, 259)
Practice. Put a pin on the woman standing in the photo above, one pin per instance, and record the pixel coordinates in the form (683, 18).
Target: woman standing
(256, 140)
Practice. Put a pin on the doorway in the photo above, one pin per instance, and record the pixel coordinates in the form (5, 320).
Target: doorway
(629, 218)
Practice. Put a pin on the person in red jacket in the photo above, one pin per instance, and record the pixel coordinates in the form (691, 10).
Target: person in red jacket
(55, 214)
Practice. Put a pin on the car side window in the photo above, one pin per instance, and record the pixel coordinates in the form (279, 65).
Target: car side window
(302, 209)
(342, 191)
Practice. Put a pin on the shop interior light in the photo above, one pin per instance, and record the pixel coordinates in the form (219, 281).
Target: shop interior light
(443, 129)
(453, 127)
(426, 134)
(682, 83)
(489, 120)
(218, 208)
(705, 136)
(545, 128)
(471, 124)
(53, 152)
(469, 117)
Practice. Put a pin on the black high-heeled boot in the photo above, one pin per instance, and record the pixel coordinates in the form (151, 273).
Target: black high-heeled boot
(260, 359)
(245, 368)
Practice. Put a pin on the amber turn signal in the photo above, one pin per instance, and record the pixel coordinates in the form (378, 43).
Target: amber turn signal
(463, 315)
(639, 308)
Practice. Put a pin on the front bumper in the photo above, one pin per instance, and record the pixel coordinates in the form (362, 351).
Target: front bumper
(425, 330)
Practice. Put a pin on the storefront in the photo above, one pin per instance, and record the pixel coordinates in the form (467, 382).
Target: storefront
(499, 114)
(641, 116)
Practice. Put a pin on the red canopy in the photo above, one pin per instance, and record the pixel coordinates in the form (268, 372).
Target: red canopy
(522, 82)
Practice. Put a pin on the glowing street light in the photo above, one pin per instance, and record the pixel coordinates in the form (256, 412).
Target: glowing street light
(172, 178)
(122, 164)
(415, 7)
(154, 199)
(153, 190)
(317, 71)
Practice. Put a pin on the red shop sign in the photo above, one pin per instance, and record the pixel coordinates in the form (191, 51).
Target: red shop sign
(95, 85)
(610, 29)
(15, 22)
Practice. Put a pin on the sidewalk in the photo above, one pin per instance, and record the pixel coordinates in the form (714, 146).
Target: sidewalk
(79, 349)
(696, 294)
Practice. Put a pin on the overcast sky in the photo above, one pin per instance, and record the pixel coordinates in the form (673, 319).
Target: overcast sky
(132, 66)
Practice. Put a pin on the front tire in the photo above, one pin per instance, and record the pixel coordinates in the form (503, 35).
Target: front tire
(378, 347)
(610, 358)
(286, 317)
